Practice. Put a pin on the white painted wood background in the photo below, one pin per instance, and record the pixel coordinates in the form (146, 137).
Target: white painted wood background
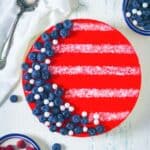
(133, 134)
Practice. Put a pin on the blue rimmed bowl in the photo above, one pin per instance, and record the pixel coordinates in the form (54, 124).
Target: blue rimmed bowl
(12, 136)
(126, 8)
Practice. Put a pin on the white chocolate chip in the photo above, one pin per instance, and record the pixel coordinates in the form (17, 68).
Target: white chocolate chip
(67, 105)
(43, 50)
(139, 13)
(144, 5)
(47, 123)
(128, 14)
(134, 11)
(96, 116)
(71, 108)
(134, 22)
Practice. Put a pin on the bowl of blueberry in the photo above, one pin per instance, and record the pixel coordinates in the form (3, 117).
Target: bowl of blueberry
(16, 142)
(137, 15)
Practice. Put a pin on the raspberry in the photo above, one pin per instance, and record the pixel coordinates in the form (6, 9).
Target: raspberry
(29, 148)
(9, 147)
(2, 148)
(21, 144)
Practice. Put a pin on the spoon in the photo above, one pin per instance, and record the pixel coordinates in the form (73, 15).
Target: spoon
(25, 6)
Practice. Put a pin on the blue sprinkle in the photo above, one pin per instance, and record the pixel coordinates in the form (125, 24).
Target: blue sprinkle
(59, 26)
(100, 129)
(63, 131)
(42, 119)
(25, 66)
(84, 120)
(32, 56)
(67, 24)
(64, 33)
(36, 74)
(27, 76)
(53, 128)
(54, 34)
(56, 146)
(77, 130)
(30, 97)
(28, 87)
(41, 57)
(70, 126)
(13, 98)
(45, 37)
(38, 45)
(76, 119)
(92, 131)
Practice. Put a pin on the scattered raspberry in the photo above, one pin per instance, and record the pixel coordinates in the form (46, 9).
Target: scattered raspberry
(21, 144)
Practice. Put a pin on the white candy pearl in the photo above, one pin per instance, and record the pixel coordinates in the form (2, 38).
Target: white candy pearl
(37, 67)
(51, 104)
(67, 105)
(128, 14)
(58, 124)
(96, 122)
(43, 50)
(62, 108)
(47, 123)
(71, 108)
(139, 13)
(46, 114)
(37, 96)
(84, 114)
(85, 129)
(54, 86)
(47, 61)
(46, 101)
(40, 89)
(134, 22)
(144, 5)
(31, 81)
(96, 116)
(30, 70)
(55, 42)
(134, 11)
(70, 133)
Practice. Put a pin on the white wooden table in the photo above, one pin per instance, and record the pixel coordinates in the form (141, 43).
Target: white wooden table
(133, 134)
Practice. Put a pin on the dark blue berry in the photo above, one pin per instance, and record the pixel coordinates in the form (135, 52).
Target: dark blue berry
(56, 146)
(100, 129)
(70, 126)
(84, 120)
(59, 26)
(54, 34)
(53, 128)
(49, 52)
(30, 97)
(27, 76)
(77, 130)
(60, 117)
(45, 37)
(44, 95)
(55, 110)
(44, 66)
(42, 119)
(45, 75)
(48, 87)
(63, 131)
(66, 114)
(36, 74)
(36, 111)
(45, 108)
(76, 119)
(67, 24)
(92, 131)
(38, 45)
(34, 90)
(64, 33)
(39, 82)
(39, 103)
(41, 57)
(28, 87)
(58, 101)
(52, 118)
(47, 45)
(32, 56)
(13, 98)
(58, 92)
(25, 66)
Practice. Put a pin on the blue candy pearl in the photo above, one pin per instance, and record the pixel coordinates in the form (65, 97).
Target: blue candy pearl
(32, 56)
(76, 119)
(63, 131)
(84, 120)
(45, 37)
(54, 34)
(38, 45)
(41, 57)
(27, 87)
(53, 128)
(27, 76)
(42, 119)
(56, 146)
(25, 66)
(64, 33)
(13, 98)
(70, 126)
(77, 130)
(92, 131)
(36, 74)
(100, 129)
(30, 97)
(67, 24)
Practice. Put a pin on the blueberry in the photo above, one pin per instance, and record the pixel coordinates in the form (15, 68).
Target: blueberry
(100, 129)
(32, 56)
(70, 126)
(147, 27)
(39, 82)
(49, 52)
(27, 87)
(59, 26)
(44, 95)
(39, 103)
(51, 96)
(66, 114)
(36, 111)
(30, 97)
(27, 76)
(60, 117)
(53, 128)
(64, 33)
(47, 45)
(13, 98)
(34, 90)
(48, 87)
(38, 45)
(42, 119)
(58, 101)
(63, 131)
(52, 118)
(92, 131)
(135, 4)
(77, 130)
(84, 120)
(58, 92)
(44, 67)
(45, 75)
(76, 119)
(67, 24)
(41, 57)
(45, 37)
(56, 146)
(36, 74)
(25, 66)
(55, 110)
(45, 108)
(54, 34)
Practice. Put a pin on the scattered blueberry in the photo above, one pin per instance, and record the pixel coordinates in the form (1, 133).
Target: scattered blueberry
(30, 97)
(56, 146)
(67, 24)
(25, 66)
(77, 130)
(38, 45)
(76, 118)
(70, 126)
(27, 76)
(13, 98)
(36, 74)
(64, 33)
(47, 45)
(27, 87)
(59, 26)
(92, 131)
(32, 56)
(84, 120)
(53, 128)
(63, 131)
(41, 57)
(45, 36)
(42, 119)
(100, 129)
(49, 52)
(54, 34)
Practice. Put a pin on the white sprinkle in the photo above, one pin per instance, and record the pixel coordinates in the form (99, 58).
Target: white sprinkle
(96, 122)
(47, 123)
(31, 81)
(30, 70)
(43, 50)
(46, 101)
(47, 61)
(62, 108)
(85, 129)
(46, 114)
(55, 42)
(54, 86)
(128, 14)
(58, 124)
(51, 104)
(40, 89)
(96, 116)
(37, 96)
(134, 22)
(70, 133)
(139, 13)
(71, 108)
(84, 114)
(67, 105)
(37, 67)
(144, 5)
(134, 11)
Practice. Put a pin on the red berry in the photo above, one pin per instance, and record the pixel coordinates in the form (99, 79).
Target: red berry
(29, 148)
(9, 147)
(2, 148)
(21, 144)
